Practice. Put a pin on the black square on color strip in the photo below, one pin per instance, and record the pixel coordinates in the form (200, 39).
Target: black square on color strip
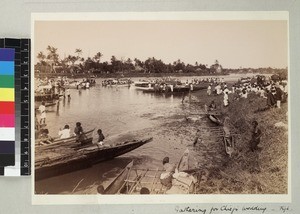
(1, 170)
(1, 43)
(7, 159)
(12, 42)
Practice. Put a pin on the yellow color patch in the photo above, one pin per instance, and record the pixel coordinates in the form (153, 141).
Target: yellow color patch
(7, 94)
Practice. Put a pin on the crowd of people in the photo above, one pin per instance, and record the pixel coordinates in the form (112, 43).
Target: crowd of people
(65, 132)
(274, 91)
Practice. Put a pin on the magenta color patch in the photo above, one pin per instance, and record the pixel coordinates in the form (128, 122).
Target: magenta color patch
(7, 120)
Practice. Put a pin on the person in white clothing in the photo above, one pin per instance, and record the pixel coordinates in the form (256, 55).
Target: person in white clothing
(65, 133)
(42, 110)
(226, 101)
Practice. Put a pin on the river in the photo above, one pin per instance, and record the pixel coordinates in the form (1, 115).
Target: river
(125, 113)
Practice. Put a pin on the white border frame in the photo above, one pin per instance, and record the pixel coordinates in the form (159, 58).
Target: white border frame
(158, 199)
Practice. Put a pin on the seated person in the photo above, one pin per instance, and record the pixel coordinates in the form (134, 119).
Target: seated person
(212, 106)
(65, 133)
(45, 138)
(166, 177)
(100, 137)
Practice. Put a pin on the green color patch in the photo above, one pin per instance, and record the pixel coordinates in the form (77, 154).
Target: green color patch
(7, 81)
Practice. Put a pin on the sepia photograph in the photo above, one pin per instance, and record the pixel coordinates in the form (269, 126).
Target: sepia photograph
(165, 105)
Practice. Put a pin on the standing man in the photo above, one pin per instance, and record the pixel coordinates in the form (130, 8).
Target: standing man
(42, 109)
(68, 93)
(209, 90)
(256, 135)
(278, 95)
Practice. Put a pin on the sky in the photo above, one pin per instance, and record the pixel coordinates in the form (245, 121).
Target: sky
(235, 44)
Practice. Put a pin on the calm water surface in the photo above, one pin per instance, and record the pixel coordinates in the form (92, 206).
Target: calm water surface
(123, 113)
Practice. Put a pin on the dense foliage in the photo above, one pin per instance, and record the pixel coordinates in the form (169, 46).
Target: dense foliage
(51, 62)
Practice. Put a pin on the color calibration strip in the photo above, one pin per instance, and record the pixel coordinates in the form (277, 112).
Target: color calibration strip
(7, 107)
(21, 108)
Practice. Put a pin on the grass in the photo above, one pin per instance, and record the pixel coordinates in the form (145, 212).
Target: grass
(259, 172)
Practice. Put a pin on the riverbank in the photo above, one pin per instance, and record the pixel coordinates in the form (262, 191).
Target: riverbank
(261, 172)
(124, 75)
(173, 125)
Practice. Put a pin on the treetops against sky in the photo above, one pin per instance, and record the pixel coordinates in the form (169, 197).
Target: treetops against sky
(235, 44)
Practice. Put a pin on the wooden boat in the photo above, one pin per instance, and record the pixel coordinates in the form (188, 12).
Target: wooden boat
(229, 143)
(134, 180)
(117, 82)
(183, 164)
(51, 160)
(45, 97)
(213, 118)
(176, 90)
(66, 142)
(114, 186)
(142, 84)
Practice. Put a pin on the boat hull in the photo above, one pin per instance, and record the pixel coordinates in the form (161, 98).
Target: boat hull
(134, 180)
(214, 119)
(80, 158)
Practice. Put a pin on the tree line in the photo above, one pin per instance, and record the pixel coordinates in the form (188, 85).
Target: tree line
(51, 62)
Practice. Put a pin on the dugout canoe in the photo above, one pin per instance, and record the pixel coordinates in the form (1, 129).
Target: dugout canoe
(213, 118)
(229, 143)
(133, 180)
(52, 161)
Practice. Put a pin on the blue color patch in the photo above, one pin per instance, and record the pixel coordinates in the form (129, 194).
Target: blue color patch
(7, 54)
(7, 68)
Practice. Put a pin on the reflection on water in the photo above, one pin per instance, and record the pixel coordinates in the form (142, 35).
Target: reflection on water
(122, 113)
(113, 109)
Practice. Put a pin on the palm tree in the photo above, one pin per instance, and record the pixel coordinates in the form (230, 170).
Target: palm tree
(41, 56)
(52, 56)
(98, 56)
(78, 52)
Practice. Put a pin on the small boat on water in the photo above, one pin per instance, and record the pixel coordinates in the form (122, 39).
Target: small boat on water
(213, 118)
(65, 156)
(117, 82)
(132, 180)
(143, 84)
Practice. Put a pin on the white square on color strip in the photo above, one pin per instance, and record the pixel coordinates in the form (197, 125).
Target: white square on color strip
(7, 134)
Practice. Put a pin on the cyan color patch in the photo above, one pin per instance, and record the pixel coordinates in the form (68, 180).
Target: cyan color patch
(7, 67)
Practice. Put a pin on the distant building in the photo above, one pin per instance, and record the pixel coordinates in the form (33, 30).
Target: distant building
(216, 68)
